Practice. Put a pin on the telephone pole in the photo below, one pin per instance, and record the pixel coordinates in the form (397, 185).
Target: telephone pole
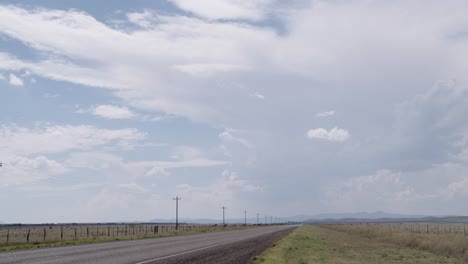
(177, 198)
(224, 222)
(245, 217)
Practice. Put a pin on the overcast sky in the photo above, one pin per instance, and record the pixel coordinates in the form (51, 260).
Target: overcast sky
(111, 108)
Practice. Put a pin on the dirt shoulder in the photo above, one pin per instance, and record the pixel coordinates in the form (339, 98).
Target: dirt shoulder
(312, 244)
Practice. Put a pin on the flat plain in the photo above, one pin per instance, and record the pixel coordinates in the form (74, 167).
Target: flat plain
(316, 244)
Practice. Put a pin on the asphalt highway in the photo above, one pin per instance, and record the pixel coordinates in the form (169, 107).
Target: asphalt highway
(217, 247)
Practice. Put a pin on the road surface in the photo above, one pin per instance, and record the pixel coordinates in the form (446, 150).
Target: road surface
(218, 247)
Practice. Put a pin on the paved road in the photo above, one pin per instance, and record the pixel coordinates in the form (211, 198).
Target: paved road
(218, 247)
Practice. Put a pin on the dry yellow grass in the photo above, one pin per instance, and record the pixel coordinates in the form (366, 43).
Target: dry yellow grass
(448, 244)
(312, 244)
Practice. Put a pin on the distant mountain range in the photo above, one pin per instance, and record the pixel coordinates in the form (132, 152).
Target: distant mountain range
(382, 217)
(297, 218)
(377, 216)
(363, 215)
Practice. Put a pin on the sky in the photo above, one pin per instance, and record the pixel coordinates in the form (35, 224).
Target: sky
(109, 109)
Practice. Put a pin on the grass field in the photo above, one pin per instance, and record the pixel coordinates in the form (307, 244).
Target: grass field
(314, 244)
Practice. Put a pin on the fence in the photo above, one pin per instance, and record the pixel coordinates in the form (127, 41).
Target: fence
(56, 233)
(419, 228)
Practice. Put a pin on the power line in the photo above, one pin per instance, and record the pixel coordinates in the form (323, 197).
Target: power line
(177, 198)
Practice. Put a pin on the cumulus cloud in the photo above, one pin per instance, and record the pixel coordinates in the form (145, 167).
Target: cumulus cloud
(56, 138)
(187, 153)
(222, 191)
(335, 134)
(204, 67)
(225, 9)
(112, 112)
(15, 80)
(206, 70)
(18, 170)
(372, 192)
(259, 96)
(325, 114)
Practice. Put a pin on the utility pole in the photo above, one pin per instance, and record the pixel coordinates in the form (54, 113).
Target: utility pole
(177, 198)
(257, 218)
(245, 217)
(224, 222)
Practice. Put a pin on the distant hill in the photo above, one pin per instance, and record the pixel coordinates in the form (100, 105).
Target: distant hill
(393, 219)
(363, 215)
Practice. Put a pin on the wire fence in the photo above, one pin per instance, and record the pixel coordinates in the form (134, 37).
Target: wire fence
(15, 235)
(417, 228)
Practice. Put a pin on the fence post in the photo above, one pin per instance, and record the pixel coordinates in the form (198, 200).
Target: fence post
(44, 234)
(75, 233)
(146, 231)
(8, 236)
(27, 238)
(108, 231)
(61, 232)
(87, 231)
(464, 230)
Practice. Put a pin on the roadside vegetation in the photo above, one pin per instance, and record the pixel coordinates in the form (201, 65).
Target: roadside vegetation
(451, 240)
(315, 244)
(38, 242)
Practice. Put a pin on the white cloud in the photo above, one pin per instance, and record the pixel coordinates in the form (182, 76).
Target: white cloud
(228, 136)
(222, 191)
(187, 153)
(203, 69)
(113, 112)
(259, 96)
(226, 9)
(374, 192)
(16, 81)
(335, 134)
(94, 160)
(2, 77)
(100, 160)
(56, 139)
(18, 170)
(50, 95)
(207, 70)
(326, 114)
